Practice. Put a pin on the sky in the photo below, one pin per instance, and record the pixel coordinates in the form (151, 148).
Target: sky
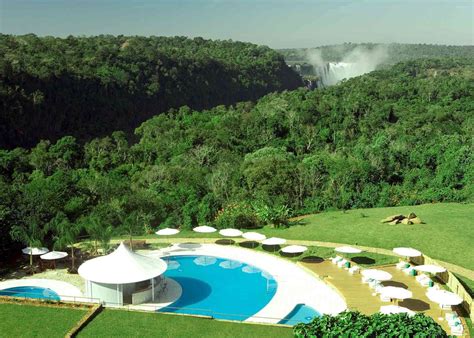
(275, 23)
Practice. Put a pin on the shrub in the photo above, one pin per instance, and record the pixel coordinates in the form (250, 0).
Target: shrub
(239, 215)
(355, 324)
(278, 216)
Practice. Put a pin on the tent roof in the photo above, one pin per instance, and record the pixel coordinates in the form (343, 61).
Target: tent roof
(121, 267)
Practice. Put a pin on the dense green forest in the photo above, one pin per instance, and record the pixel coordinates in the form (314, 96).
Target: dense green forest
(91, 86)
(396, 52)
(396, 136)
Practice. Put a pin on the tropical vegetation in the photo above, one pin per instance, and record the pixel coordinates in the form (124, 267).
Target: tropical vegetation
(355, 324)
(400, 136)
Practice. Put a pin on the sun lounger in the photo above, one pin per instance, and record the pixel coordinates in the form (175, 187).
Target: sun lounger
(445, 307)
(366, 280)
(342, 263)
(424, 280)
(354, 269)
(336, 259)
(408, 270)
(384, 299)
(457, 330)
(402, 265)
(450, 316)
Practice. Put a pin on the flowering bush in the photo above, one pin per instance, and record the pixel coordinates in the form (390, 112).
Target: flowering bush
(239, 215)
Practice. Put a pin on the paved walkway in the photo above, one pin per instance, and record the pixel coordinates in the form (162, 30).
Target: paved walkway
(359, 296)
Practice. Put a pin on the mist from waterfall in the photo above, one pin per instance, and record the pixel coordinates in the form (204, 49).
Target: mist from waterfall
(358, 62)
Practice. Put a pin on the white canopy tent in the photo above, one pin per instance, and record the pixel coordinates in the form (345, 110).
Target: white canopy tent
(204, 229)
(117, 277)
(167, 232)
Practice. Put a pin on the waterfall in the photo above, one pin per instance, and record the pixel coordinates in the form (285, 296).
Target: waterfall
(333, 72)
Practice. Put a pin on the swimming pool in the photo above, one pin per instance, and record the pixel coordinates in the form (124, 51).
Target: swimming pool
(302, 313)
(30, 292)
(218, 287)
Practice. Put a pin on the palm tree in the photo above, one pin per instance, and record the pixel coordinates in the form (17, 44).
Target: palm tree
(65, 234)
(30, 233)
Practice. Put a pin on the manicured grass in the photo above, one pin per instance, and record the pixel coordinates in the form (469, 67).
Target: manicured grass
(18, 320)
(119, 323)
(447, 234)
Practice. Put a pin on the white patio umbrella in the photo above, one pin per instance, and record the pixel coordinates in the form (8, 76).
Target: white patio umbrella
(205, 229)
(443, 297)
(348, 250)
(430, 268)
(229, 232)
(378, 275)
(167, 232)
(34, 251)
(53, 256)
(392, 309)
(274, 241)
(294, 249)
(254, 237)
(394, 292)
(407, 252)
(205, 260)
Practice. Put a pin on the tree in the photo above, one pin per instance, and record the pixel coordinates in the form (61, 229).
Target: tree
(65, 234)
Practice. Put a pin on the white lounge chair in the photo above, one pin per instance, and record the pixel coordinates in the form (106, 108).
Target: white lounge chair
(408, 270)
(450, 316)
(366, 280)
(384, 299)
(336, 259)
(354, 269)
(401, 265)
(342, 263)
(424, 280)
(457, 330)
(445, 307)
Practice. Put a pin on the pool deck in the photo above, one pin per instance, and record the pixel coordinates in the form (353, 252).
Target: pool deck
(296, 285)
(359, 296)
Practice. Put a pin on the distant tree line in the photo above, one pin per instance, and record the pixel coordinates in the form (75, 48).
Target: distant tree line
(400, 136)
(396, 52)
(91, 86)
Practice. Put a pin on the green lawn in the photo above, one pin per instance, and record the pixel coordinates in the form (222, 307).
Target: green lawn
(447, 234)
(119, 323)
(18, 320)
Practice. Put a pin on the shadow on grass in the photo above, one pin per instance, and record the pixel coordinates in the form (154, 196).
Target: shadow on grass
(225, 241)
(312, 259)
(248, 244)
(363, 260)
(415, 304)
(290, 255)
(271, 248)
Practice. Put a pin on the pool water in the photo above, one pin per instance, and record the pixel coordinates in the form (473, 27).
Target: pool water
(220, 288)
(30, 292)
(302, 313)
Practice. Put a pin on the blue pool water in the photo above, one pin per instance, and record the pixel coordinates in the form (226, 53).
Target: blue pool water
(221, 288)
(30, 292)
(302, 313)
